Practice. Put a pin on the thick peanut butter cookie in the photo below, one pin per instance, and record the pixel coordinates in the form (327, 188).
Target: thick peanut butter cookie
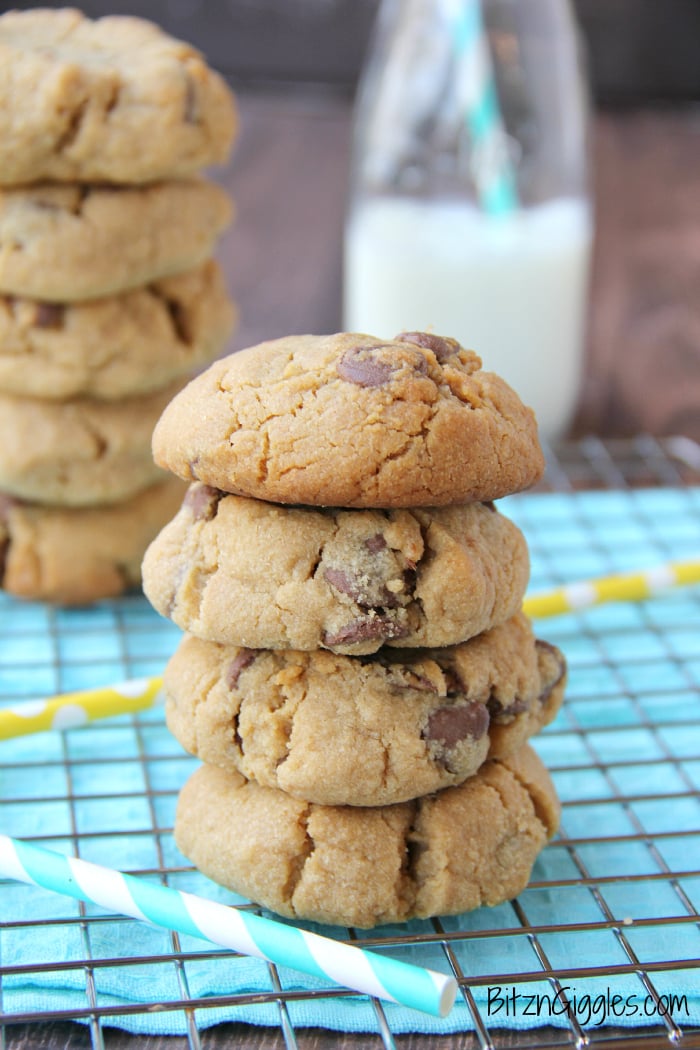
(116, 347)
(445, 853)
(111, 100)
(75, 555)
(246, 572)
(78, 453)
(369, 731)
(68, 242)
(349, 420)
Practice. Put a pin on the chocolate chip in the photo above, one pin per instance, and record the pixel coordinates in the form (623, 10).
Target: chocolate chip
(391, 599)
(442, 348)
(405, 678)
(191, 102)
(374, 628)
(6, 505)
(362, 591)
(243, 658)
(376, 543)
(49, 315)
(345, 583)
(203, 501)
(455, 723)
(559, 672)
(501, 713)
(363, 366)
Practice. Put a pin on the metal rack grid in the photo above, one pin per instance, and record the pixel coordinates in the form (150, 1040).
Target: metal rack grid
(107, 790)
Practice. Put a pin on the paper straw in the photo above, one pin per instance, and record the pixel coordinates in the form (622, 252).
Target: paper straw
(631, 586)
(244, 932)
(76, 709)
(476, 88)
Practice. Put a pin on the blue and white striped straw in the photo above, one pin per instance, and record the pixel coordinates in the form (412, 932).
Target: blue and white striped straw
(476, 86)
(249, 934)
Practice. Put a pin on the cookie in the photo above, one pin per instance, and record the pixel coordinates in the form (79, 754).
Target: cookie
(73, 556)
(116, 347)
(352, 421)
(367, 731)
(111, 100)
(442, 854)
(77, 453)
(71, 242)
(246, 572)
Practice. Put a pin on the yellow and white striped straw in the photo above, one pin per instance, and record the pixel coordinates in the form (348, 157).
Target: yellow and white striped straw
(622, 587)
(75, 709)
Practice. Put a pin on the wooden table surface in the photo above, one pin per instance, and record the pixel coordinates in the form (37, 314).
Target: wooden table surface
(283, 262)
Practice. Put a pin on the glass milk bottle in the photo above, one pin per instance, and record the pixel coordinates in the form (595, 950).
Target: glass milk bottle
(469, 212)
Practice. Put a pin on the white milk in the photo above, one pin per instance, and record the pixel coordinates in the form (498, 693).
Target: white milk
(513, 289)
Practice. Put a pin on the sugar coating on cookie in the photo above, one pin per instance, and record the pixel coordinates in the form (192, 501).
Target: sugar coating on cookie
(115, 347)
(74, 555)
(442, 854)
(115, 100)
(372, 731)
(66, 243)
(350, 420)
(245, 572)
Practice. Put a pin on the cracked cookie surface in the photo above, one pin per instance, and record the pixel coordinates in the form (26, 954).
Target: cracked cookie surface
(371, 731)
(115, 347)
(75, 555)
(245, 572)
(442, 854)
(348, 420)
(70, 242)
(81, 452)
(114, 100)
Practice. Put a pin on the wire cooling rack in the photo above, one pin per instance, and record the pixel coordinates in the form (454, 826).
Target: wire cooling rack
(612, 908)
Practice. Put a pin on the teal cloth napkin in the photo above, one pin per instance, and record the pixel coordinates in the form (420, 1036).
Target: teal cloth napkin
(617, 891)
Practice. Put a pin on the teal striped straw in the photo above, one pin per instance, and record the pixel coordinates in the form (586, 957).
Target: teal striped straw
(492, 170)
(247, 933)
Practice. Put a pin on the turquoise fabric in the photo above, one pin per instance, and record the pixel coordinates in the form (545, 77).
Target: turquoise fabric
(617, 891)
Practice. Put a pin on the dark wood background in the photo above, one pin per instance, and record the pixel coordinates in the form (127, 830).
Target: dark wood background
(640, 50)
(294, 65)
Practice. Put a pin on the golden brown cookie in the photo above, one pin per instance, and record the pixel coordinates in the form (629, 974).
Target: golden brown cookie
(111, 100)
(78, 453)
(246, 572)
(349, 420)
(442, 854)
(69, 242)
(71, 556)
(369, 731)
(116, 347)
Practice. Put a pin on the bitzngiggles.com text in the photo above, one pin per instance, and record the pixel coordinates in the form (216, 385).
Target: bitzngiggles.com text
(586, 1009)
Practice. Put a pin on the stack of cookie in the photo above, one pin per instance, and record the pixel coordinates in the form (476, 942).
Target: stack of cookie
(357, 674)
(109, 295)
